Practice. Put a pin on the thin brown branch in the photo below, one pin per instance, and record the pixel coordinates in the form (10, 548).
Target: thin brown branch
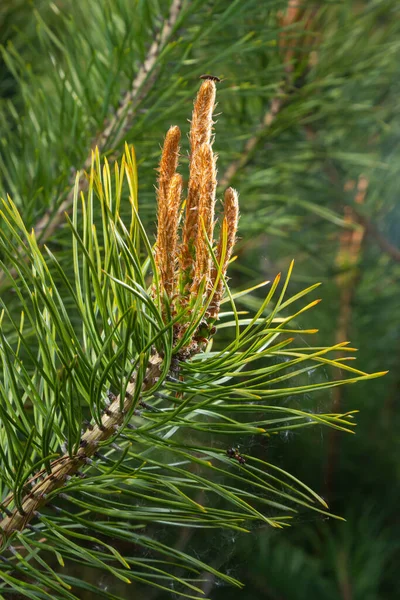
(369, 227)
(347, 261)
(293, 15)
(133, 96)
(66, 466)
(383, 243)
(224, 251)
(268, 119)
(115, 127)
(291, 49)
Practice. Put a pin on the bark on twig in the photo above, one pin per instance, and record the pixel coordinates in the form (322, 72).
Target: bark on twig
(293, 44)
(120, 121)
(294, 14)
(382, 242)
(370, 229)
(269, 117)
(115, 127)
(66, 466)
(347, 260)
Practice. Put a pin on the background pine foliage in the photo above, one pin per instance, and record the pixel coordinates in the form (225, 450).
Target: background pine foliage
(65, 68)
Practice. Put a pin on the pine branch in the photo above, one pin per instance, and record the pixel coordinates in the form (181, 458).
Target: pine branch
(383, 243)
(347, 260)
(144, 80)
(63, 468)
(370, 229)
(275, 106)
(115, 127)
(119, 123)
(294, 15)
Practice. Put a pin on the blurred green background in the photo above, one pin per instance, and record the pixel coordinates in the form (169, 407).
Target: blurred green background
(308, 131)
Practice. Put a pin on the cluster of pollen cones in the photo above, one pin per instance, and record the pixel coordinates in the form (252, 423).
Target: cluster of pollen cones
(189, 266)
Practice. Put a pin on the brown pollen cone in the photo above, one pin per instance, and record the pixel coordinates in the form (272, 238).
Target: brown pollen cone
(208, 185)
(200, 134)
(171, 234)
(166, 202)
(201, 126)
(228, 232)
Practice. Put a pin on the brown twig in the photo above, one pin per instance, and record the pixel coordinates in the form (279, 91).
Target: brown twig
(347, 260)
(269, 117)
(369, 227)
(289, 47)
(380, 239)
(19, 514)
(293, 15)
(115, 127)
(127, 107)
(63, 468)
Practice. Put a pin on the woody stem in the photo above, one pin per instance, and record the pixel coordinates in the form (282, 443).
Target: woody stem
(64, 467)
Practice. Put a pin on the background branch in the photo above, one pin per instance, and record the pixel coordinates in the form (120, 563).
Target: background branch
(347, 261)
(115, 127)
